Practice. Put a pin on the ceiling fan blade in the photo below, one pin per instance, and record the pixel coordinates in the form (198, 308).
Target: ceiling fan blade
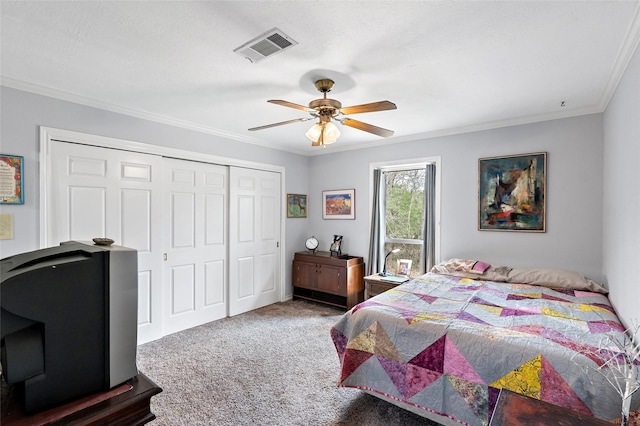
(367, 127)
(291, 105)
(281, 123)
(372, 107)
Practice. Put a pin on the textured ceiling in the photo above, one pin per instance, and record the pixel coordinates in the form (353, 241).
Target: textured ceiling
(449, 66)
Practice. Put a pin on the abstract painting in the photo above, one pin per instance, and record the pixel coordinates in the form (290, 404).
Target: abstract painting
(512, 193)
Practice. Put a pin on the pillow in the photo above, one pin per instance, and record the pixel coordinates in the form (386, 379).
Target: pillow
(479, 267)
(472, 269)
(555, 278)
(461, 265)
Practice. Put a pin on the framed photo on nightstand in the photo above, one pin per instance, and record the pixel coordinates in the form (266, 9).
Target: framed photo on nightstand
(404, 267)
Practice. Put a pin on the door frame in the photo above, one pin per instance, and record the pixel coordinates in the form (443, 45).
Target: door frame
(48, 135)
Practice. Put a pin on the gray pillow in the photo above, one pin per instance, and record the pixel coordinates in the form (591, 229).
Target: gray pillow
(556, 278)
(553, 278)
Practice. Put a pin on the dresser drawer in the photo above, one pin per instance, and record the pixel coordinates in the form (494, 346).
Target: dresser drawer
(373, 288)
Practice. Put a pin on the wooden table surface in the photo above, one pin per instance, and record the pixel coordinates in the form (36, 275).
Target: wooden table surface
(126, 404)
(513, 409)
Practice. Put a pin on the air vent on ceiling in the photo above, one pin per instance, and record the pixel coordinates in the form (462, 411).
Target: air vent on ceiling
(265, 45)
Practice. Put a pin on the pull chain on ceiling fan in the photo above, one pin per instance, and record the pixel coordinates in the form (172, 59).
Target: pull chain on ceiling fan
(324, 132)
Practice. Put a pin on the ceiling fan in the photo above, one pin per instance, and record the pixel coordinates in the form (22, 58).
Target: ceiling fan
(324, 132)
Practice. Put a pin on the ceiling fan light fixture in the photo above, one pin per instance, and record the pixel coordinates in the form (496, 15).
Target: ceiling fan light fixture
(314, 132)
(328, 131)
(331, 133)
(324, 132)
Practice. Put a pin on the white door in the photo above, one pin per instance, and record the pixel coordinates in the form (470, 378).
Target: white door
(101, 192)
(254, 232)
(195, 241)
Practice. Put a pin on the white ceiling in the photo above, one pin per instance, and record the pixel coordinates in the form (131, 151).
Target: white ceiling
(449, 66)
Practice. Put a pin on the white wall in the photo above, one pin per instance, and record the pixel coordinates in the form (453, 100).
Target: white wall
(21, 114)
(621, 200)
(574, 191)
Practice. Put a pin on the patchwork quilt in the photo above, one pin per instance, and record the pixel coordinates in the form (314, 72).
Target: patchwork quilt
(447, 345)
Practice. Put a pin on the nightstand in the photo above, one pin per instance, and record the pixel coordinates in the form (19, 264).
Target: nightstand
(374, 285)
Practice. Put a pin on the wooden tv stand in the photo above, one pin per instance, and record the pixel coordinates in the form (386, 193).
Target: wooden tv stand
(127, 404)
(335, 280)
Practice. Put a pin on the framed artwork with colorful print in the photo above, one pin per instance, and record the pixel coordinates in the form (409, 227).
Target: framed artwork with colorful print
(339, 204)
(11, 179)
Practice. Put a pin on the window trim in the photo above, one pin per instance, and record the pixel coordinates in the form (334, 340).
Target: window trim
(396, 165)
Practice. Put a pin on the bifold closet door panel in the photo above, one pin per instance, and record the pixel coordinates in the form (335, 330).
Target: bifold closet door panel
(100, 192)
(254, 231)
(195, 268)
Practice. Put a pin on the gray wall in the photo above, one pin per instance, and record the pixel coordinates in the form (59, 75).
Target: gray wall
(574, 190)
(22, 113)
(621, 198)
(584, 193)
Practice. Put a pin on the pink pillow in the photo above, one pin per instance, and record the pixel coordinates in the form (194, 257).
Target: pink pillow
(465, 265)
(479, 267)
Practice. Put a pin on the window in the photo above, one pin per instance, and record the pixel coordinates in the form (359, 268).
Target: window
(405, 200)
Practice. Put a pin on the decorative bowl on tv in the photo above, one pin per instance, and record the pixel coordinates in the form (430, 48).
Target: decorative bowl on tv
(103, 241)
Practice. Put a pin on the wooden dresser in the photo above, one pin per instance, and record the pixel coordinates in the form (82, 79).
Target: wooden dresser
(335, 280)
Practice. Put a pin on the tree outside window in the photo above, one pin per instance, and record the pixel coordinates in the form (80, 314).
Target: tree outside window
(404, 217)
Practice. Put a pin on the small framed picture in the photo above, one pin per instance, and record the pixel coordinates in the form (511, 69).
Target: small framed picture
(339, 204)
(297, 205)
(11, 179)
(335, 246)
(404, 267)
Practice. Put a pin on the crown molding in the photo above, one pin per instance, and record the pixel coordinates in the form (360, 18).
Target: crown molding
(132, 112)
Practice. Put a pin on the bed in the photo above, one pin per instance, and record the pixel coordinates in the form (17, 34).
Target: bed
(443, 345)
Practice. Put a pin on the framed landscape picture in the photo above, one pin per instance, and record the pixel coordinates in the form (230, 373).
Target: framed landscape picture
(296, 205)
(339, 204)
(512, 193)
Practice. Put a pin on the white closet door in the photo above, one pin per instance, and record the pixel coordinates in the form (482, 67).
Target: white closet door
(254, 232)
(100, 192)
(195, 240)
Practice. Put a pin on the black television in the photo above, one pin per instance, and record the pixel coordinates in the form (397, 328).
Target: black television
(69, 321)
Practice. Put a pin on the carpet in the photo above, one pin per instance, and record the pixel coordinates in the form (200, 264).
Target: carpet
(272, 366)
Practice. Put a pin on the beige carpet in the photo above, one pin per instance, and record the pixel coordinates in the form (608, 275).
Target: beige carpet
(272, 366)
